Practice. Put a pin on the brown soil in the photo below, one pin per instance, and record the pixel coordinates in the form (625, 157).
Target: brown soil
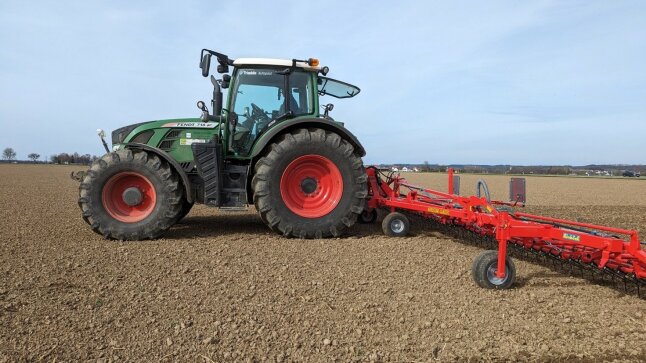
(222, 287)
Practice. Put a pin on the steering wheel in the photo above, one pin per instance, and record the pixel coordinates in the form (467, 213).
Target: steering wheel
(258, 113)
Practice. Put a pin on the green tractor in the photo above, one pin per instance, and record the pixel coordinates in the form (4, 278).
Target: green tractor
(268, 146)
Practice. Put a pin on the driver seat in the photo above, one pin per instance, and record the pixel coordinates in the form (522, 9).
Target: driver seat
(292, 101)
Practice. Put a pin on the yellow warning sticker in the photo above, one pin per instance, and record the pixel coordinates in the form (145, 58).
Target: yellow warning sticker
(572, 237)
(439, 211)
(191, 141)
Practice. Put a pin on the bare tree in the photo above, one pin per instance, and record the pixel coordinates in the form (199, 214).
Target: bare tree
(8, 154)
(425, 167)
(34, 157)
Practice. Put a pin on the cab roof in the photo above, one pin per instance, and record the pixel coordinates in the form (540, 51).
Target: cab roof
(273, 62)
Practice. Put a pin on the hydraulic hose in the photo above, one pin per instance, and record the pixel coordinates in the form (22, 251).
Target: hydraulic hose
(481, 184)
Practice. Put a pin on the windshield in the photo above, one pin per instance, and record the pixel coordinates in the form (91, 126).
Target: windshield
(335, 88)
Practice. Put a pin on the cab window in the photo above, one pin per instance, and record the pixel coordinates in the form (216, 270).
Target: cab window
(260, 97)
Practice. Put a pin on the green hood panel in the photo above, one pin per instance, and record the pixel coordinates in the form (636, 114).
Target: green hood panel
(174, 136)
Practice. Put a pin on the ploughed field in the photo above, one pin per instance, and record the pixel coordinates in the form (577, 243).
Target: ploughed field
(222, 287)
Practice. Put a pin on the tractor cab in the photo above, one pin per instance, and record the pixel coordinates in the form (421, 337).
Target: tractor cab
(261, 96)
(265, 92)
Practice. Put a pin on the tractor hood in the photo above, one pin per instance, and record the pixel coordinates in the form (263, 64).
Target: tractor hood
(120, 134)
(128, 133)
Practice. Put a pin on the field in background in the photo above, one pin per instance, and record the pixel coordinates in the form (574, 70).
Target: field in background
(547, 191)
(222, 287)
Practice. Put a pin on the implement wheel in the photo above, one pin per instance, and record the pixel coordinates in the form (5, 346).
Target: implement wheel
(396, 225)
(484, 271)
(130, 195)
(368, 217)
(309, 184)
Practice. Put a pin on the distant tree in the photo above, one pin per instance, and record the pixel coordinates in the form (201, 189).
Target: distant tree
(8, 154)
(75, 158)
(34, 157)
(426, 167)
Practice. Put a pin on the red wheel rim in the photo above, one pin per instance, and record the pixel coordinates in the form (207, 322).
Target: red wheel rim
(114, 201)
(311, 186)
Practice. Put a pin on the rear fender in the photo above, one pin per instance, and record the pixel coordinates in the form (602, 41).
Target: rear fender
(321, 123)
(173, 163)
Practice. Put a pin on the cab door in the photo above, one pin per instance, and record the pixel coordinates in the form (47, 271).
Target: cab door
(257, 99)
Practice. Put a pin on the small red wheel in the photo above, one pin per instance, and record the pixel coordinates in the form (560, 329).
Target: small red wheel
(311, 186)
(129, 197)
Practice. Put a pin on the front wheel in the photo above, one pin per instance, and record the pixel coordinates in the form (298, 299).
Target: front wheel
(186, 207)
(310, 184)
(130, 195)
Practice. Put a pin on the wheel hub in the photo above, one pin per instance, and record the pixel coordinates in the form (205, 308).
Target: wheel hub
(129, 197)
(309, 185)
(493, 277)
(132, 196)
(397, 226)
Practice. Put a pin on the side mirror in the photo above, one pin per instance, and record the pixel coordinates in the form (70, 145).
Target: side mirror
(205, 64)
(246, 112)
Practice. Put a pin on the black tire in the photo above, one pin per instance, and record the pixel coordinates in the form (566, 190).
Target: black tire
(484, 269)
(395, 225)
(368, 217)
(186, 208)
(266, 184)
(165, 210)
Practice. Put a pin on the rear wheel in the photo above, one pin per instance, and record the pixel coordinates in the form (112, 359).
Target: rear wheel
(310, 184)
(130, 195)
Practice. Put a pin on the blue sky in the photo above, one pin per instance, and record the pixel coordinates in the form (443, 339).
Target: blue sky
(490, 82)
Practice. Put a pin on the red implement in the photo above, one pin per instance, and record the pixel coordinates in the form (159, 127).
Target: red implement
(604, 247)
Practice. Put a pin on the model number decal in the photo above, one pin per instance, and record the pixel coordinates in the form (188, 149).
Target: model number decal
(438, 211)
(195, 125)
(572, 237)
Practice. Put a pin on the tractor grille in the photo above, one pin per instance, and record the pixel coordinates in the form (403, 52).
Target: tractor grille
(173, 134)
(169, 140)
(166, 145)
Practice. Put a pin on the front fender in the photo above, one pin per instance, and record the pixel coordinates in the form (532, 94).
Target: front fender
(321, 123)
(173, 163)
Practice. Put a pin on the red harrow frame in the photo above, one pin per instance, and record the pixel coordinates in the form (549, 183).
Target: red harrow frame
(585, 243)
